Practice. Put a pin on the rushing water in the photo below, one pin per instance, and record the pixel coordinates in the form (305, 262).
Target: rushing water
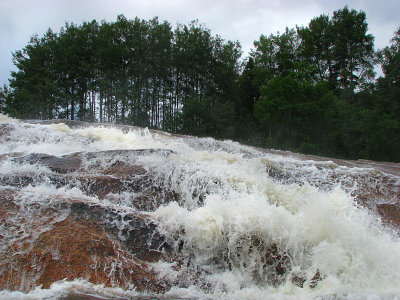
(236, 203)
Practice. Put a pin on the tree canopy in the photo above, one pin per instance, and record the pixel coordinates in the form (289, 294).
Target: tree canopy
(310, 89)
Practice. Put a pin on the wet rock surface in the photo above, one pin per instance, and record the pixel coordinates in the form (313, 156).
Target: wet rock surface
(70, 238)
(95, 236)
(74, 240)
(390, 214)
(76, 247)
(377, 189)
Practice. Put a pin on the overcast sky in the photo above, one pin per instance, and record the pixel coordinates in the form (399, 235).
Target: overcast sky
(242, 20)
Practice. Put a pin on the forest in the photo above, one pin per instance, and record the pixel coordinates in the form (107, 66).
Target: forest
(309, 89)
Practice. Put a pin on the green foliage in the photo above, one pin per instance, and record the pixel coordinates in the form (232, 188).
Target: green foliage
(129, 71)
(389, 57)
(309, 89)
(317, 94)
(4, 94)
(296, 114)
(208, 118)
(276, 55)
(340, 48)
(386, 109)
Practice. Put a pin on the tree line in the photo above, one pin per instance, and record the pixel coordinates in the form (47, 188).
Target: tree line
(309, 89)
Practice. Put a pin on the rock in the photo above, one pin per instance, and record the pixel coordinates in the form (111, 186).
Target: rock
(94, 236)
(136, 231)
(5, 132)
(84, 170)
(70, 238)
(80, 246)
(300, 278)
(390, 214)
(60, 165)
(376, 188)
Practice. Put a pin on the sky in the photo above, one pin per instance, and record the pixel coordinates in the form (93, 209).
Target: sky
(236, 20)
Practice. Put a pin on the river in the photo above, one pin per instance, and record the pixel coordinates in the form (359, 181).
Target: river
(240, 222)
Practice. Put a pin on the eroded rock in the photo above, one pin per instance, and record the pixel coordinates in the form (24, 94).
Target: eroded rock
(82, 244)
(60, 237)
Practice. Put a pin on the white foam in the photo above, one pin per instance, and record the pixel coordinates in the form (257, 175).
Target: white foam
(75, 288)
(7, 119)
(227, 203)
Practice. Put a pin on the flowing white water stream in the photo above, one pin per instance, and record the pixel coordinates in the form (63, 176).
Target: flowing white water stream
(249, 235)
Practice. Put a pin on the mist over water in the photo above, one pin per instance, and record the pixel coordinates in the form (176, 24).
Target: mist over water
(251, 224)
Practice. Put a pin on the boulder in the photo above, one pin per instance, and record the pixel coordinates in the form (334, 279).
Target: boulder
(70, 238)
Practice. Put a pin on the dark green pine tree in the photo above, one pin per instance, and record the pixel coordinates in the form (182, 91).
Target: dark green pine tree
(34, 85)
(353, 48)
(383, 125)
(4, 94)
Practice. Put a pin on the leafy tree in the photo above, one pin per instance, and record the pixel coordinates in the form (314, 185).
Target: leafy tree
(316, 47)
(353, 48)
(307, 90)
(340, 48)
(298, 115)
(33, 87)
(389, 57)
(205, 73)
(4, 93)
(208, 118)
(277, 54)
(248, 95)
(384, 136)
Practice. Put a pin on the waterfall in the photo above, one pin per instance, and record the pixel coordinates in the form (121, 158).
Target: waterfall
(120, 211)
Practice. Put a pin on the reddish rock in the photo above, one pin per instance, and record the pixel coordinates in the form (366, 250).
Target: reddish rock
(82, 240)
(98, 180)
(76, 247)
(69, 238)
(390, 214)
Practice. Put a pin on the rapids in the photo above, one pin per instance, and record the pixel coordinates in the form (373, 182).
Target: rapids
(232, 221)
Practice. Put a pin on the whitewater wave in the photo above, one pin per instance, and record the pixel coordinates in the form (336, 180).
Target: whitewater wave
(246, 223)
